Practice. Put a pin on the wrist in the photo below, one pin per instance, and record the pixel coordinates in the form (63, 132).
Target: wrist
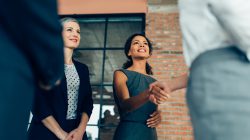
(81, 129)
(61, 134)
(171, 86)
(147, 94)
(150, 96)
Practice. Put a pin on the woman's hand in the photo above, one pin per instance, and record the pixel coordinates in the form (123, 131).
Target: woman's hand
(155, 119)
(159, 92)
(75, 134)
(62, 135)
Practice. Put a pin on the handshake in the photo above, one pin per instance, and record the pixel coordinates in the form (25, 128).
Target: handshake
(159, 92)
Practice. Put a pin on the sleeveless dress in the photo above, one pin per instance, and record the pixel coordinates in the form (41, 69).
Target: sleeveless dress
(132, 125)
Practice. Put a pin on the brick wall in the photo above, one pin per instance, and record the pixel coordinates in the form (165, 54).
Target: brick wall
(167, 61)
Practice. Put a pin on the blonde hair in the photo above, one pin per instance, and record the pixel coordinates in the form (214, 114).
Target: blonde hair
(68, 19)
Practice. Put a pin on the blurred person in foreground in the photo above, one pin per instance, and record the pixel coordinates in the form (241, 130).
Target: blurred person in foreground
(217, 50)
(31, 55)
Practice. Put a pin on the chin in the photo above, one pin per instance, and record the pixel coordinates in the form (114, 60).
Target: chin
(142, 57)
(72, 47)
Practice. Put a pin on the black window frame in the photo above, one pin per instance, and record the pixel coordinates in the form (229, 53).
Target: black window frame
(104, 49)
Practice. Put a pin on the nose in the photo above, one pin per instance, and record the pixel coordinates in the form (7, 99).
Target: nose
(141, 44)
(75, 34)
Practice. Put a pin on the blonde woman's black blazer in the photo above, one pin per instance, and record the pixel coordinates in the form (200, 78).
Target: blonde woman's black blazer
(55, 102)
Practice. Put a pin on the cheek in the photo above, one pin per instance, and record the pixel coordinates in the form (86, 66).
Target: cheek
(132, 51)
(148, 50)
(79, 39)
(64, 36)
(78, 44)
(65, 41)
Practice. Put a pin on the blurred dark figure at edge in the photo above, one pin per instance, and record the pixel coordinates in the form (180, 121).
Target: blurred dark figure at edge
(31, 54)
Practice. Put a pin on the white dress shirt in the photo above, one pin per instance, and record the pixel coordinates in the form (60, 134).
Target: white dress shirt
(213, 24)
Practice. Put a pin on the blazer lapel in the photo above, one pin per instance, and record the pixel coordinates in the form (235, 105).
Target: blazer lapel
(64, 89)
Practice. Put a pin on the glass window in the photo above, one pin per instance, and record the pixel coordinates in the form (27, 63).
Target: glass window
(114, 60)
(94, 60)
(92, 32)
(120, 28)
(101, 49)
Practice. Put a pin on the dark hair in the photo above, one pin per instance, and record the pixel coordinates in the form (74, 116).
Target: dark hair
(127, 46)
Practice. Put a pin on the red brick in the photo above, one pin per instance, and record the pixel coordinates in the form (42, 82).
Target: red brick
(163, 30)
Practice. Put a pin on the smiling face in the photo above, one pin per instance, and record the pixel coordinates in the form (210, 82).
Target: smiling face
(139, 48)
(71, 34)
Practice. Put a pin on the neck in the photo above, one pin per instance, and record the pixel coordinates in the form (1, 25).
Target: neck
(68, 56)
(139, 66)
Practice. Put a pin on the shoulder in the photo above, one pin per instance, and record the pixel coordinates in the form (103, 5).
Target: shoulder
(119, 75)
(80, 65)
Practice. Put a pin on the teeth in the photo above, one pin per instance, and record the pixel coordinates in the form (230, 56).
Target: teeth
(141, 50)
(73, 40)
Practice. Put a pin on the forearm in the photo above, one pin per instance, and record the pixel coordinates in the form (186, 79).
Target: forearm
(135, 102)
(178, 82)
(53, 126)
(83, 123)
(78, 133)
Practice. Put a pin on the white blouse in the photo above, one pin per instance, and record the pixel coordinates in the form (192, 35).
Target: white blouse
(73, 83)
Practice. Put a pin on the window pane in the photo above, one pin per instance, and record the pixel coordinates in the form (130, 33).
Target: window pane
(109, 122)
(92, 32)
(119, 29)
(93, 59)
(96, 93)
(95, 115)
(92, 132)
(106, 132)
(107, 98)
(107, 95)
(113, 61)
(110, 115)
(107, 103)
(107, 92)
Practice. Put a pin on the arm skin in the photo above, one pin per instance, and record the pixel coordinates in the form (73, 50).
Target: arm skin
(77, 134)
(126, 102)
(160, 90)
(54, 127)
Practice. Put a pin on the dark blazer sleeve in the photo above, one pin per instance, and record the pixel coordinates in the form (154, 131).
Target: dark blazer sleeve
(87, 103)
(34, 26)
(41, 108)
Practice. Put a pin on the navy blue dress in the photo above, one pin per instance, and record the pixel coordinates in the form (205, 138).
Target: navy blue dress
(132, 125)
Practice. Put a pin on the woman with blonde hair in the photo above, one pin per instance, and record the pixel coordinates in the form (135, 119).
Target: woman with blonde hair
(63, 113)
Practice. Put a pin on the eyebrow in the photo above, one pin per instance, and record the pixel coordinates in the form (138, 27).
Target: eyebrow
(72, 28)
(138, 40)
(69, 27)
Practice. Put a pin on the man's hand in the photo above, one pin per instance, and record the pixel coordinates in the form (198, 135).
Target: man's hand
(159, 92)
